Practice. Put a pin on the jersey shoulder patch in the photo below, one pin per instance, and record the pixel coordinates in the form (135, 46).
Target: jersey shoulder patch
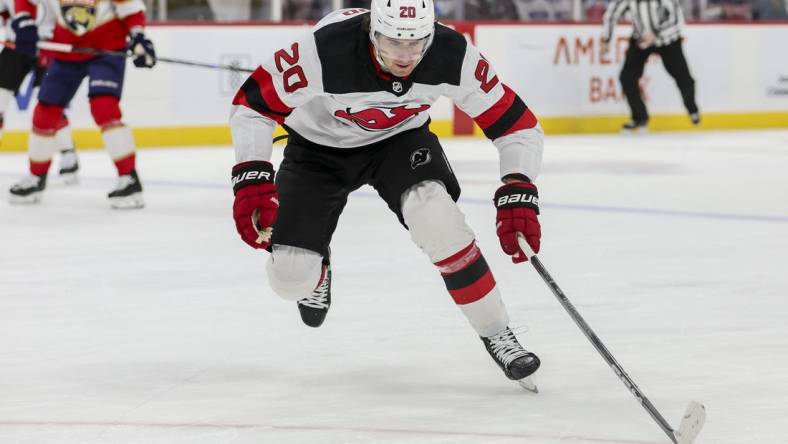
(443, 61)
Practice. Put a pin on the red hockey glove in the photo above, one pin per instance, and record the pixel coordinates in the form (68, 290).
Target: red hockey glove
(518, 205)
(256, 202)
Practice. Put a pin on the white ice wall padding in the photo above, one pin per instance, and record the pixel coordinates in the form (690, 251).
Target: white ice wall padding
(738, 68)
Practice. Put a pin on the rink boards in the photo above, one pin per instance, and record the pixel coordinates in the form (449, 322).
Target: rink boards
(742, 82)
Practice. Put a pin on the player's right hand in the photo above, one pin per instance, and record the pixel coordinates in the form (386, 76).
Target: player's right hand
(26, 31)
(517, 204)
(256, 202)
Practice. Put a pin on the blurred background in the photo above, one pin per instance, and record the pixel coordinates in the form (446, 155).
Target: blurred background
(242, 10)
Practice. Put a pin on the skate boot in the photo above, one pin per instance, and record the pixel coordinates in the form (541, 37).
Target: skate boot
(314, 308)
(514, 360)
(27, 190)
(127, 193)
(695, 118)
(69, 165)
(635, 126)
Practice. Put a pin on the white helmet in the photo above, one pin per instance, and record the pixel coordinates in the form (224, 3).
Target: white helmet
(402, 19)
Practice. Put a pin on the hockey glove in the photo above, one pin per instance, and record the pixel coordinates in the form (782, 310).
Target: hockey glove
(142, 50)
(26, 32)
(256, 202)
(517, 204)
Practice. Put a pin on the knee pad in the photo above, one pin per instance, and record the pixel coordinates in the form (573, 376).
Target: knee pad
(106, 111)
(46, 118)
(293, 272)
(434, 220)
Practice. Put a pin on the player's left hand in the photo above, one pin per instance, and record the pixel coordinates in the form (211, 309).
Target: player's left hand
(142, 49)
(518, 206)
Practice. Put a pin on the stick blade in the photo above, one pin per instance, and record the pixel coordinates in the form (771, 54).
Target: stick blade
(691, 423)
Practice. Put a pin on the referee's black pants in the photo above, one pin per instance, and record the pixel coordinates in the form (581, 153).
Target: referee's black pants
(674, 62)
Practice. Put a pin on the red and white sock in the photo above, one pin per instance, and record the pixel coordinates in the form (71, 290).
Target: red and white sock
(472, 286)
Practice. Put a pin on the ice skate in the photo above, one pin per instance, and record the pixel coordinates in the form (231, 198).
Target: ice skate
(314, 308)
(27, 190)
(69, 166)
(635, 126)
(127, 193)
(695, 118)
(517, 363)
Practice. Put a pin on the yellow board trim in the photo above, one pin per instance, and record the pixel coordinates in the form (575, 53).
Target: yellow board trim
(193, 136)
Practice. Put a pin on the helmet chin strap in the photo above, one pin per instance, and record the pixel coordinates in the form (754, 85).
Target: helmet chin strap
(378, 58)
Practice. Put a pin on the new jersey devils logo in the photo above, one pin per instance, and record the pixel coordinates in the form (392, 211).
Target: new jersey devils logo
(421, 156)
(375, 119)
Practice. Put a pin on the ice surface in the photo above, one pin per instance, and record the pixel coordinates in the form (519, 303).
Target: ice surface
(157, 326)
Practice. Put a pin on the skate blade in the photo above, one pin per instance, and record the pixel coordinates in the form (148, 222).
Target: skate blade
(69, 178)
(32, 198)
(641, 130)
(131, 202)
(528, 383)
(691, 423)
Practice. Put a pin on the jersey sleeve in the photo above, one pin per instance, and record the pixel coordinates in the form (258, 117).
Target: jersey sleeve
(131, 13)
(25, 7)
(613, 13)
(501, 114)
(290, 78)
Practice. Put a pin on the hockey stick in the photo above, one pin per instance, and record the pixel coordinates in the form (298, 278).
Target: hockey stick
(67, 48)
(695, 415)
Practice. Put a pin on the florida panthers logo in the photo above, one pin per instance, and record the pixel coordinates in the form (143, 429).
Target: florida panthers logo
(79, 16)
(421, 156)
(376, 119)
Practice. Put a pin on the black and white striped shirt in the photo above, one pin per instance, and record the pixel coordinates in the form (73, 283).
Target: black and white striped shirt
(663, 18)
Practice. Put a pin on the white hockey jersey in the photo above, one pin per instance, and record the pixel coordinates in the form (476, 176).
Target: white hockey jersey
(45, 19)
(328, 88)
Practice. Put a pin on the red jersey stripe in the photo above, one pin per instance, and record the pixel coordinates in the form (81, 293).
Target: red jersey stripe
(268, 92)
(489, 117)
(526, 121)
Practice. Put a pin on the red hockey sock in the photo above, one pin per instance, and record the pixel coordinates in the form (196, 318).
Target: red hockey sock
(467, 276)
(126, 165)
(39, 168)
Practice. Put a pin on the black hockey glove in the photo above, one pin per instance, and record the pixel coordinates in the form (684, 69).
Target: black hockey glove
(142, 49)
(26, 31)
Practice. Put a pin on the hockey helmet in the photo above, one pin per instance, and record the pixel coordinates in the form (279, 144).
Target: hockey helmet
(412, 20)
(402, 19)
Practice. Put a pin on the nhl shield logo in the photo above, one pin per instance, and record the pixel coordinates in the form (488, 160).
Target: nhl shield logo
(421, 156)
(396, 87)
(79, 15)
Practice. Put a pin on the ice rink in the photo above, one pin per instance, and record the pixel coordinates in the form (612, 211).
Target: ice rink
(157, 326)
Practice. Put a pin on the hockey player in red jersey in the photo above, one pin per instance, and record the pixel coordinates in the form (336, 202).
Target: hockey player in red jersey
(14, 68)
(354, 96)
(102, 25)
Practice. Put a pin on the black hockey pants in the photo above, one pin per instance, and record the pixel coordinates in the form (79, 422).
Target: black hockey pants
(674, 62)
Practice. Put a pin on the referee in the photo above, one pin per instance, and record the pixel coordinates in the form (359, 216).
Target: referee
(657, 29)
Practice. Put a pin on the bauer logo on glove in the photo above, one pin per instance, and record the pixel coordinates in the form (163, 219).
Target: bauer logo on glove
(256, 202)
(518, 198)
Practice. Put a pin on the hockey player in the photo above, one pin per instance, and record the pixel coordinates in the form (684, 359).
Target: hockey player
(14, 67)
(354, 96)
(102, 25)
